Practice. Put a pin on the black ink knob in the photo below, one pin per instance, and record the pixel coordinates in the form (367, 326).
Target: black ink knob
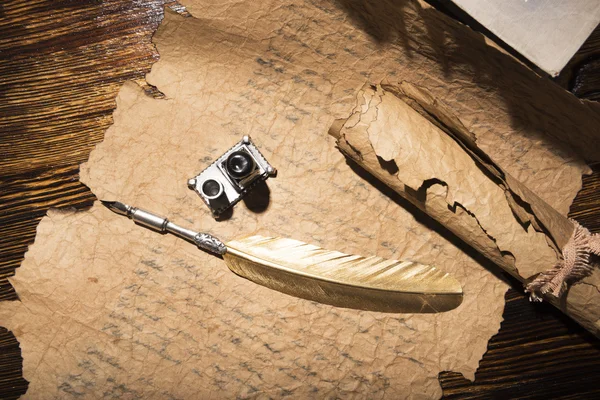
(239, 164)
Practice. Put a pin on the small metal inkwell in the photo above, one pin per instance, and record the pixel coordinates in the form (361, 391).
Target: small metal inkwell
(226, 181)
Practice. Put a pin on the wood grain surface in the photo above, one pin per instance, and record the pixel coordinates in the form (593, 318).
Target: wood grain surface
(62, 63)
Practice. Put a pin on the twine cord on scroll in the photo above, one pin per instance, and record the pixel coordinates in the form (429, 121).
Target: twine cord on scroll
(575, 264)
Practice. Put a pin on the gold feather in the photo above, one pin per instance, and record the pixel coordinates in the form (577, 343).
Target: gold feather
(313, 273)
(343, 280)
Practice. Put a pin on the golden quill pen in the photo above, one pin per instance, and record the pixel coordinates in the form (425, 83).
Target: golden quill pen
(313, 273)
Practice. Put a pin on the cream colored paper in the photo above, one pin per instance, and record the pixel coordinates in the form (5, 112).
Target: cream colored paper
(548, 33)
(111, 309)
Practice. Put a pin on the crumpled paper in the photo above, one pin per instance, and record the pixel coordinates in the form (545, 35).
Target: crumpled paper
(110, 309)
(438, 167)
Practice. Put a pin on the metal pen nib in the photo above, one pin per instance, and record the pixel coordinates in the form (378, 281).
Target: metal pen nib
(163, 225)
(116, 207)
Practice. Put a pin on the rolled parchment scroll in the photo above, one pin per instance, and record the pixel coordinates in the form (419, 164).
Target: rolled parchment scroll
(413, 144)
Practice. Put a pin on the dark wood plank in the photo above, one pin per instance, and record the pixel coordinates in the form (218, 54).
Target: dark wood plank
(12, 384)
(24, 199)
(62, 63)
(60, 75)
(582, 74)
(61, 67)
(586, 206)
(538, 353)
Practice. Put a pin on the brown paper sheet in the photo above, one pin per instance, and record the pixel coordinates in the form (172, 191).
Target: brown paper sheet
(438, 167)
(110, 309)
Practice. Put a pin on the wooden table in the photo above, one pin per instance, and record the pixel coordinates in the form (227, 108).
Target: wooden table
(61, 67)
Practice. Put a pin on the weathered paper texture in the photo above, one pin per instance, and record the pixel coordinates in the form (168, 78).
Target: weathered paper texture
(438, 167)
(109, 309)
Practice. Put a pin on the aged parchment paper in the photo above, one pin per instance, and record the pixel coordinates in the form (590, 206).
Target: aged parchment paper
(438, 167)
(109, 309)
